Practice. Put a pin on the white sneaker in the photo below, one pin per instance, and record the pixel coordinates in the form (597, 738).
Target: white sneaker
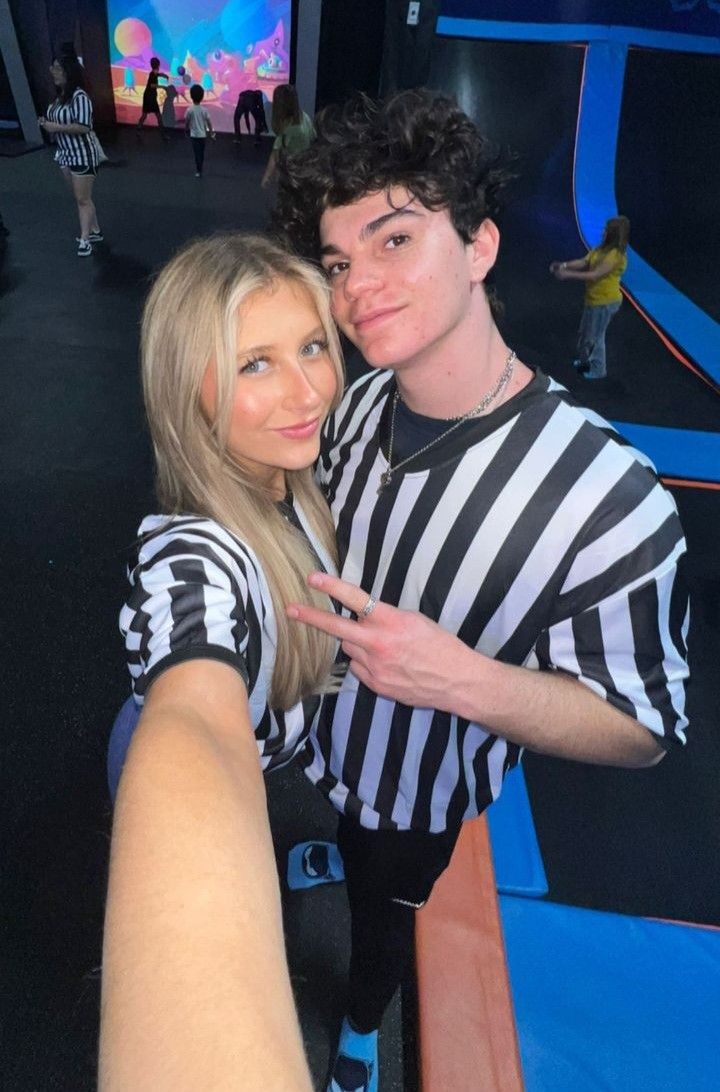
(95, 237)
(84, 248)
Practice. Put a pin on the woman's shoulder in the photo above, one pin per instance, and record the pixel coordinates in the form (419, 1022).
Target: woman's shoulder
(163, 538)
(612, 254)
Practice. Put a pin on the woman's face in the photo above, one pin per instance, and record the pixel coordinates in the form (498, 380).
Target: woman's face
(284, 387)
(58, 74)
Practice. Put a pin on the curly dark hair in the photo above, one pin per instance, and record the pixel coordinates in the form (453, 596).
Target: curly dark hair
(416, 139)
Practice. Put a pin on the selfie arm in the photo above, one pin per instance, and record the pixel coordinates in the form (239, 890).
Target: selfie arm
(196, 991)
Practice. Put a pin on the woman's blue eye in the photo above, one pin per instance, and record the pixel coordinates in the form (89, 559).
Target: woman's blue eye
(253, 367)
(315, 347)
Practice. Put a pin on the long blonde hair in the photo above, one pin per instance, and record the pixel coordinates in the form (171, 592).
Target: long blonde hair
(191, 316)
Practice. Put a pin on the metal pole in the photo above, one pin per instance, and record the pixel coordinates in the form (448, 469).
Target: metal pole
(15, 69)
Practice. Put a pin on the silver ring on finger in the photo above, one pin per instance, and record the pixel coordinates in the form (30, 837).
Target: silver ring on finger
(368, 608)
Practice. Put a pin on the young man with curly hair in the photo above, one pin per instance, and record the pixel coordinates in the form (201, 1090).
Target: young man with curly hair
(509, 565)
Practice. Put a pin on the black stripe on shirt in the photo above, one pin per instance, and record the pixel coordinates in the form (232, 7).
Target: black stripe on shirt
(652, 552)
(195, 652)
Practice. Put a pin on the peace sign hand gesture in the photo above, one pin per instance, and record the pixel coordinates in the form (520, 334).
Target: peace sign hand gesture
(399, 654)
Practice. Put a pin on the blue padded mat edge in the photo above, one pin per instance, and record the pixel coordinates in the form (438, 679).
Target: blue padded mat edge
(517, 859)
(606, 1002)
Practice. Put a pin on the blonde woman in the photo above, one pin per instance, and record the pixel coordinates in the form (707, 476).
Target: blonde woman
(241, 365)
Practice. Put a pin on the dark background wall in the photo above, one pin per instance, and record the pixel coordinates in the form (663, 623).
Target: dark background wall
(369, 47)
(7, 103)
(525, 96)
(408, 49)
(667, 164)
(351, 43)
(42, 26)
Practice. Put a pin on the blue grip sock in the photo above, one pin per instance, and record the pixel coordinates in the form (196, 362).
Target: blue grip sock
(312, 863)
(356, 1064)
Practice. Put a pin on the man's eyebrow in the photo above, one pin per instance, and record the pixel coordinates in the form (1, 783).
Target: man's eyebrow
(376, 225)
(371, 228)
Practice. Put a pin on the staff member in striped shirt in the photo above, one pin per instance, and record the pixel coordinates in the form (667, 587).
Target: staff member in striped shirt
(241, 365)
(70, 120)
(510, 566)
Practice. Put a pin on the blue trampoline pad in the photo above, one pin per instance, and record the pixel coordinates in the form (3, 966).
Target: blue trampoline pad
(516, 854)
(606, 1003)
(676, 453)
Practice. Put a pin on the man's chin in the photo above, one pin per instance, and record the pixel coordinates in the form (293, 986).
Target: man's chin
(375, 357)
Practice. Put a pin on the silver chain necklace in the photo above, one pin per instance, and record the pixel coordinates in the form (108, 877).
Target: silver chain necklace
(492, 394)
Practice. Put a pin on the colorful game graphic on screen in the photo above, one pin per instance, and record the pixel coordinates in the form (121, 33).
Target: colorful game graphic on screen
(227, 46)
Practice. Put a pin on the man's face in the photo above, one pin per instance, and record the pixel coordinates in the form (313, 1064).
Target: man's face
(402, 278)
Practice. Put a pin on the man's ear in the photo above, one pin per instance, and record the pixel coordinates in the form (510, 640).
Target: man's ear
(484, 248)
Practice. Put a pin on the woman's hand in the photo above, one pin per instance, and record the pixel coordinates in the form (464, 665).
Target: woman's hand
(49, 126)
(398, 654)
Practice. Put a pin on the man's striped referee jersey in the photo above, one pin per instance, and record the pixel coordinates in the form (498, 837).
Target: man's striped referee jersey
(199, 592)
(539, 538)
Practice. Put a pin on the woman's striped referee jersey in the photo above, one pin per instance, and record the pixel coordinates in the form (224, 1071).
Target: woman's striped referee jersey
(74, 149)
(539, 538)
(198, 592)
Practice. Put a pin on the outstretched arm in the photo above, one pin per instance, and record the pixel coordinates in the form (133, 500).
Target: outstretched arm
(196, 992)
(580, 271)
(405, 656)
(578, 264)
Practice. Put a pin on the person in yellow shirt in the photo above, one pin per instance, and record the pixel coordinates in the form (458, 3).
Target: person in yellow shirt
(601, 269)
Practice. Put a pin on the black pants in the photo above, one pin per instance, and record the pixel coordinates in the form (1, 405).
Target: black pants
(149, 108)
(198, 147)
(239, 113)
(389, 874)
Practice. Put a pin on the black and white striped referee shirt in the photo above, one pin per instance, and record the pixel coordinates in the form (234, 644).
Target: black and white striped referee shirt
(198, 592)
(539, 538)
(74, 149)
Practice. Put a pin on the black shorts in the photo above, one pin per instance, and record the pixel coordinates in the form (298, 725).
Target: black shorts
(82, 171)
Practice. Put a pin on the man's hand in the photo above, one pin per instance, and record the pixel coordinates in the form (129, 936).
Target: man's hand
(398, 654)
(402, 655)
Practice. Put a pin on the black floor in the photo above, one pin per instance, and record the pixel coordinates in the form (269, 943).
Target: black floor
(76, 477)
